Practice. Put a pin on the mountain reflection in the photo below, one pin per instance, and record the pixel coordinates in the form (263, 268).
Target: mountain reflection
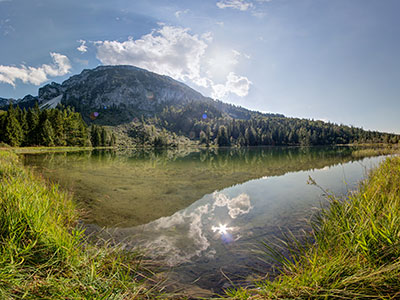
(128, 188)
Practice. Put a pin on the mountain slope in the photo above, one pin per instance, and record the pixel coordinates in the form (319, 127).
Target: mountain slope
(117, 94)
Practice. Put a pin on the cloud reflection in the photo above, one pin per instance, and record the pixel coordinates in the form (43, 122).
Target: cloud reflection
(191, 232)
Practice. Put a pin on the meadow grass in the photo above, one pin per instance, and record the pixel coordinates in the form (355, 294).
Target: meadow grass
(353, 251)
(43, 254)
(375, 151)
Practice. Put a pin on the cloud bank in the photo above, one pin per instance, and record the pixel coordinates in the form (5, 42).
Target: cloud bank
(175, 52)
(60, 66)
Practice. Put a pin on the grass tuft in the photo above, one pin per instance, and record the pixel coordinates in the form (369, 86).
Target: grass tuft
(44, 256)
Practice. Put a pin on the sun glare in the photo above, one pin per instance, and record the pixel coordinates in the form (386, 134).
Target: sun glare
(221, 229)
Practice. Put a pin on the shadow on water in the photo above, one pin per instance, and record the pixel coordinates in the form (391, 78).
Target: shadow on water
(202, 212)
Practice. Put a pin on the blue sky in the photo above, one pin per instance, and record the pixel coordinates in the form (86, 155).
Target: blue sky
(335, 60)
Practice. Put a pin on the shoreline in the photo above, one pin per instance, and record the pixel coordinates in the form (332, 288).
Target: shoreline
(303, 275)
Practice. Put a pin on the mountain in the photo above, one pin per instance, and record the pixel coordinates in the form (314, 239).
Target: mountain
(145, 108)
(26, 102)
(117, 94)
(5, 102)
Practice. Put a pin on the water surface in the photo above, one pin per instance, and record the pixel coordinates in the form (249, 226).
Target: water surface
(203, 212)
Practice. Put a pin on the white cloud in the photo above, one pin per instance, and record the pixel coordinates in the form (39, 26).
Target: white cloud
(181, 12)
(237, 206)
(235, 4)
(61, 66)
(170, 51)
(238, 85)
(207, 37)
(82, 48)
(175, 52)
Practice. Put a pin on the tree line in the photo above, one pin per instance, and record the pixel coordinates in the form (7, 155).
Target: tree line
(211, 128)
(50, 127)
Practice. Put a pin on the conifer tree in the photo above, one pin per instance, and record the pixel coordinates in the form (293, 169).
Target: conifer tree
(13, 134)
(58, 126)
(203, 138)
(113, 140)
(222, 137)
(95, 136)
(103, 137)
(32, 121)
(47, 134)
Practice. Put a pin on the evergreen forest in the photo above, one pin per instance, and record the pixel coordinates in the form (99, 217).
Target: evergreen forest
(50, 127)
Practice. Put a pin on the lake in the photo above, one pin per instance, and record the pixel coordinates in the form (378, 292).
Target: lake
(203, 213)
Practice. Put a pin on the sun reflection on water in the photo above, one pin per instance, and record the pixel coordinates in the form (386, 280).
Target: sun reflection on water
(223, 231)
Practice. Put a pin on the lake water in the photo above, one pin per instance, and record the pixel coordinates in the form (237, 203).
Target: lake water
(203, 212)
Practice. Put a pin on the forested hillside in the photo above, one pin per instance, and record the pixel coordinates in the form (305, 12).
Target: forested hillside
(210, 127)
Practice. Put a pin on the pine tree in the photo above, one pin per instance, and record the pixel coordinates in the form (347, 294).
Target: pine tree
(13, 134)
(203, 138)
(104, 137)
(58, 126)
(222, 137)
(95, 136)
(46, 134)
(32, 120)
(113, 140)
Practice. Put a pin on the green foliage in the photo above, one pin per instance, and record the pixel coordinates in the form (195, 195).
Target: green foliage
(203, 138)
(46, 134)
(49, 127)
(146, 133)
(11, 131)
(101, 137)
(222, 137)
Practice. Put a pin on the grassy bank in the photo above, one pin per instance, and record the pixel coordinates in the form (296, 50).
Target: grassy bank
(43, 255)
(375, 151)
(40, 149)
(355, 253)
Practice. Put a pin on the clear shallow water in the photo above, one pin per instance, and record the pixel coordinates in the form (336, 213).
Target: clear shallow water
(203, 213)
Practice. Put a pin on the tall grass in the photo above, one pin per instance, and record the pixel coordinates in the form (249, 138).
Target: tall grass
(355, 253)
(44, 256)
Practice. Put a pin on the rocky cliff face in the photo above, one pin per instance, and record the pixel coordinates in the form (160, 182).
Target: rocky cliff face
(121, 85)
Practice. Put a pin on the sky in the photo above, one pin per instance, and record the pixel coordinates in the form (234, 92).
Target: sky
(331, 60)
